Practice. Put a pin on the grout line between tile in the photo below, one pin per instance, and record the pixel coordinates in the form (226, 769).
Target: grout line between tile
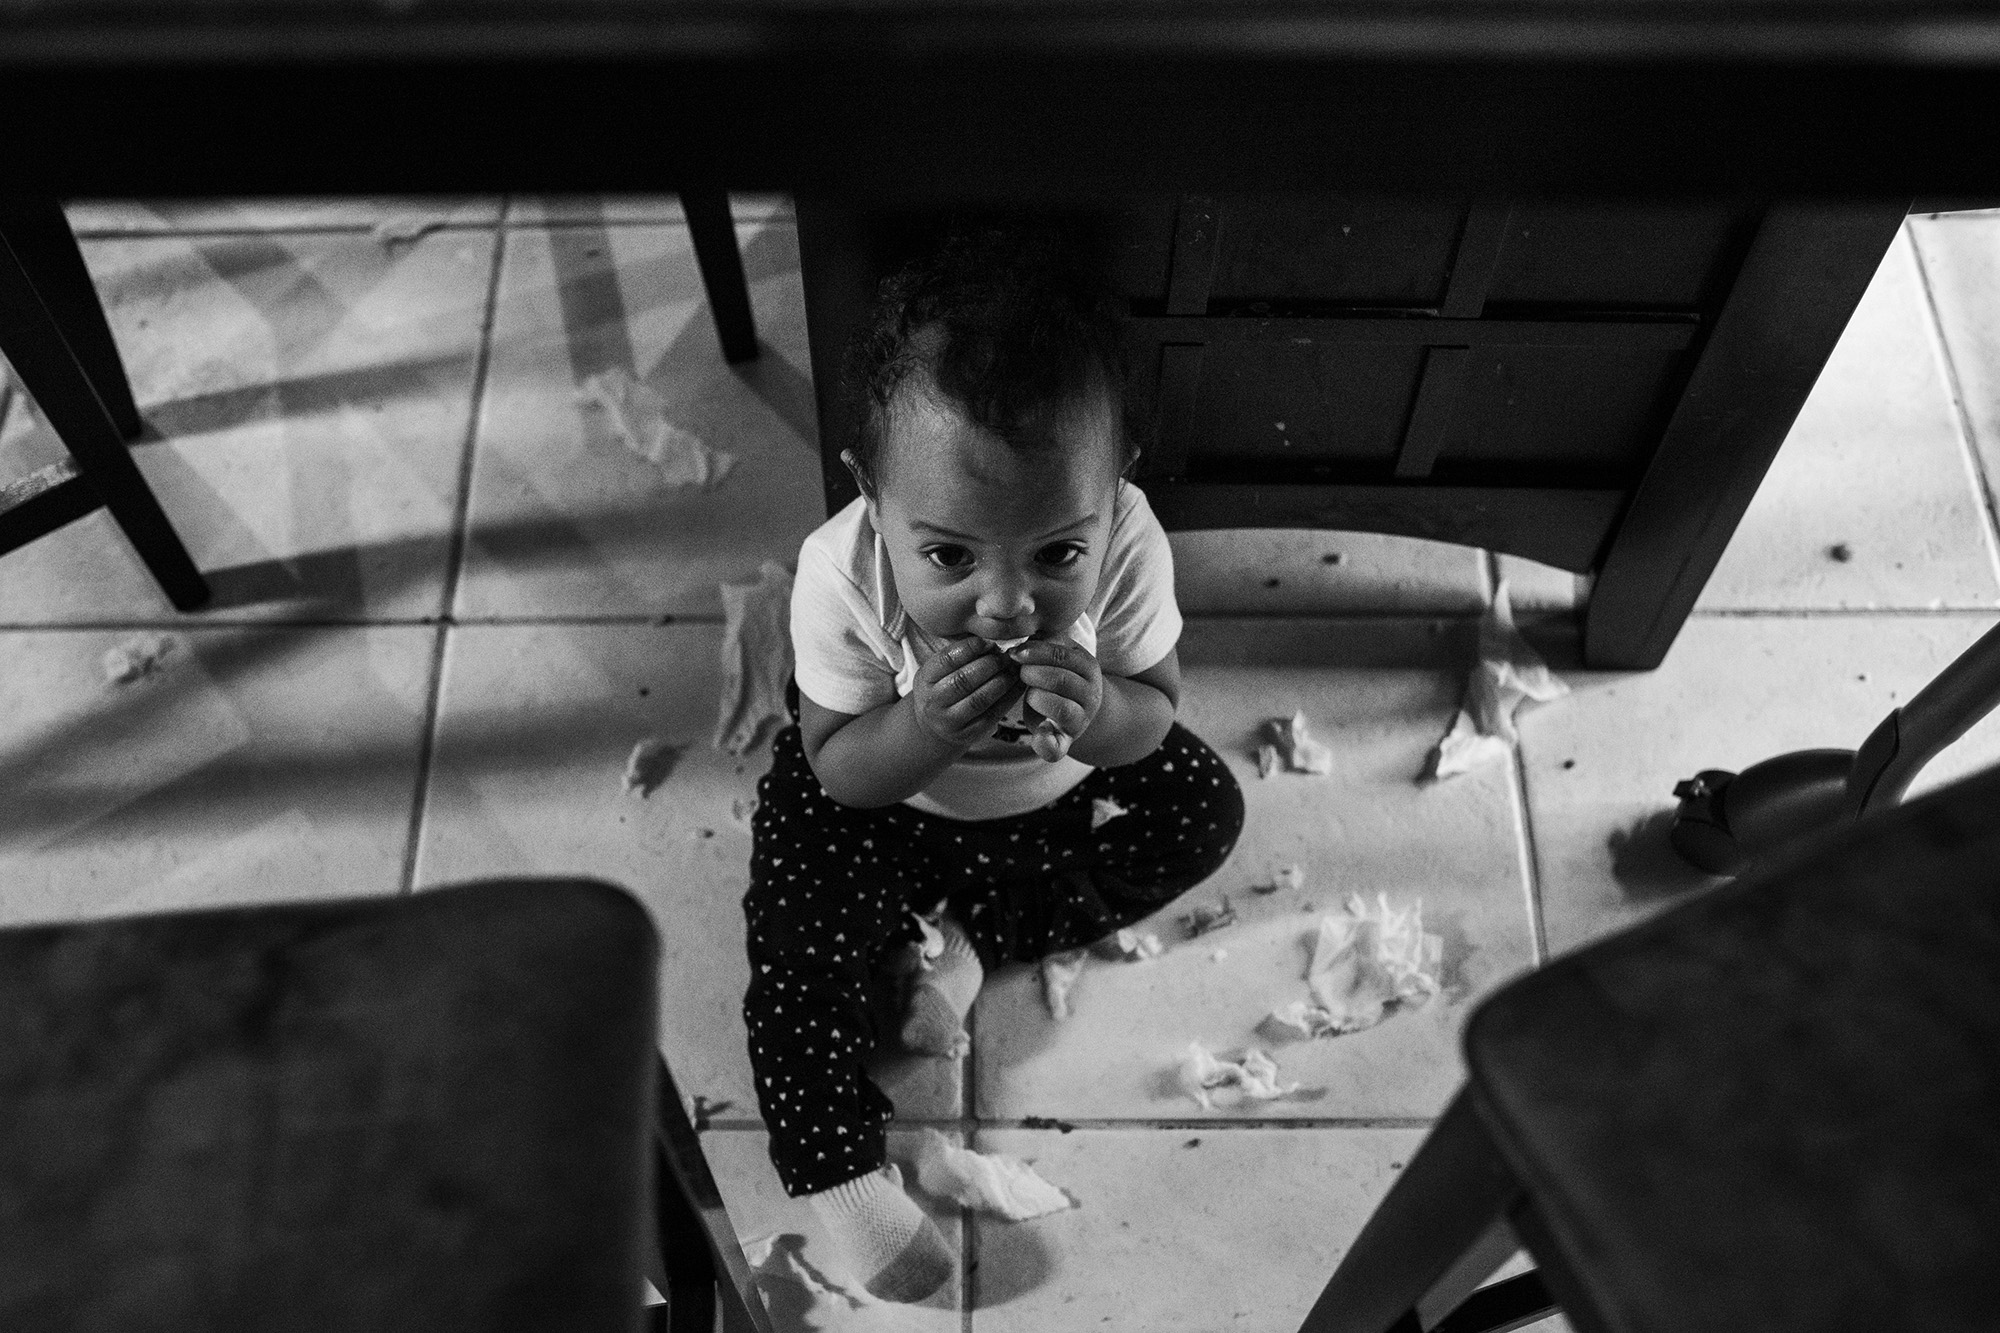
(304, 229)
(454, 559)
(1837, 612)
(967, 1125)
(1163, 1125)
(1967, 439)
(1524, 847)
(206, 622)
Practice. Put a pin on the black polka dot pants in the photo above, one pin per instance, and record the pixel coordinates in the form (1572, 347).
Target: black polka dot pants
(832, 889)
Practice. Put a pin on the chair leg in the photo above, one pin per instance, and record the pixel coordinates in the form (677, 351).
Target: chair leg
(49, 370)
(713, 232)
(47, 249)
(698, 1246)
(1440, 1231)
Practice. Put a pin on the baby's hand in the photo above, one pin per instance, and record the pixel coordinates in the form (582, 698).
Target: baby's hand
(963, 690)
(1064, 685)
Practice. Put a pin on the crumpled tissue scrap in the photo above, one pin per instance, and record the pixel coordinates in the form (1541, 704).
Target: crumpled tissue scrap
(1103, 810)
(1059, 973)
(406, 227)
(1509, 671)
(756, 657)
(1292, 741)
(651, 761)
(1130, 946)
(933, 939)
(1252, 1078)
(1207, 917)
(788, 1282)
(639, 419)
(990, 1182)
(1363, 962)
(138, 657)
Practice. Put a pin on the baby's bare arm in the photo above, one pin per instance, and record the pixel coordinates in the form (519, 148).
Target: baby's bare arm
(1134, 716)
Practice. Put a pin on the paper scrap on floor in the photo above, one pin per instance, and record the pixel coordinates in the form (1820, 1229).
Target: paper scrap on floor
(1059, 974)
(144, 655)
(406, 228)
(1207, 917)
(1130, 946)
(756, 657)
(651, 760)
(1292, 741)
(990, 1182)
(1365, 961)
(1508, 673)
(1207, 1078)
(799, 1295)
(1103, 810)
(639, 419)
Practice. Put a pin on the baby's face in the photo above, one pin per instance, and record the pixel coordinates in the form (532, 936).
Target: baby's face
(985, 541)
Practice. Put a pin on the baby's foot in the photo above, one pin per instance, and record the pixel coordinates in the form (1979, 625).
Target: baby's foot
(934, 1023)
(896, 1251)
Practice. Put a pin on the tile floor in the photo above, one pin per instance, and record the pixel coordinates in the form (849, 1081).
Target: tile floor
(449, 601)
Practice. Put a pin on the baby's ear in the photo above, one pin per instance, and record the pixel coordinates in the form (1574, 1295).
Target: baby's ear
(860, 475)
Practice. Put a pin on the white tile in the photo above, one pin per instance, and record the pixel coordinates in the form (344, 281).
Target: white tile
(620, 209)
(535, 724)
(256, 765)
(1960, 256)
(1271, 571)
(565, 518)
(97, 217)
(1871, 502)
(1534, 588)
(1367, 829)
(1603, 762)
(311, 395)
(758, 1209)
(1192, 1228)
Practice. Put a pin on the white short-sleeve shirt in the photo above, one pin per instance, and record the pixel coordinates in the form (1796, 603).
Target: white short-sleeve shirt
(856, 650)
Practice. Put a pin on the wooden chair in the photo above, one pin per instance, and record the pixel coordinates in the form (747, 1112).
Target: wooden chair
(1775, 1107)
(53, 330)
(435, 1112)
(1599, 387)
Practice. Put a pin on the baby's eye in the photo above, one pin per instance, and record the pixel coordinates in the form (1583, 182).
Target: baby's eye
(947, 556)
(1060, 555)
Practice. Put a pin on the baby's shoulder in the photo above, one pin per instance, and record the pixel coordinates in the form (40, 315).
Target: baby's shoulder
(842, 547)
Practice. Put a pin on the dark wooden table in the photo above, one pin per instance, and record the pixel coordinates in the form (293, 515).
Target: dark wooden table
(1845, 108)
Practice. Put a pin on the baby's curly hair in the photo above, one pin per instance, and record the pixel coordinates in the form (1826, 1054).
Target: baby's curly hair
(1009, 322)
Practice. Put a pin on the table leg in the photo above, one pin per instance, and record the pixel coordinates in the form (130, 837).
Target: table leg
(47, 248)
(713, 231)
(33, 340)
(1798, 286)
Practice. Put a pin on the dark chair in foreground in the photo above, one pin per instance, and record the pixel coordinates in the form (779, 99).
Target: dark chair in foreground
(52, 329)
(1776, 1107)
(433, 1113)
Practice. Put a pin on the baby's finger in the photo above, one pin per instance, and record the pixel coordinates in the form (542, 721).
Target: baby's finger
(1062, 656)
(989, 695)
(952, 657)
(1056, 680)
(973, 675)
(1067, 714)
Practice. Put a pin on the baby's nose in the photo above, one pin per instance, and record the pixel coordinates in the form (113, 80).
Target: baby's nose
(1004, 598)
